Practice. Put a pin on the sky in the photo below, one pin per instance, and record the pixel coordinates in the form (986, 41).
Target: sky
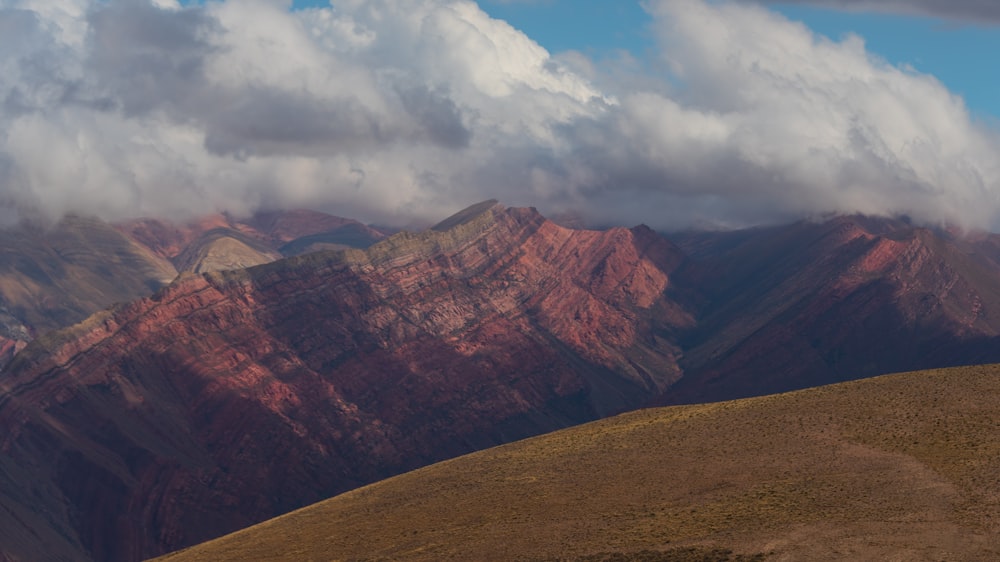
(673, 113)
(948, 43)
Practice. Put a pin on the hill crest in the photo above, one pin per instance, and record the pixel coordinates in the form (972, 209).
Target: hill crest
(894, 467)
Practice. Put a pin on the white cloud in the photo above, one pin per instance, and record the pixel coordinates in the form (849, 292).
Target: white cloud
(391, 110)
(788, 123)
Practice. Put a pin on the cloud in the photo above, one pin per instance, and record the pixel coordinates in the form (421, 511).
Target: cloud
(974, 11)
(772, 120)
(401, 110)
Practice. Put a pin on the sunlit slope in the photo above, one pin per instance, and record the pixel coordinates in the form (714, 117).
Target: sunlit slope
(901, 467)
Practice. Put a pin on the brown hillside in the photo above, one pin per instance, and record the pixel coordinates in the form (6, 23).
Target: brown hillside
(901, 467)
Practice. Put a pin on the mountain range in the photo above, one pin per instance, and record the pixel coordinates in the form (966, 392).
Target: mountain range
(53, 276)
(290, 357)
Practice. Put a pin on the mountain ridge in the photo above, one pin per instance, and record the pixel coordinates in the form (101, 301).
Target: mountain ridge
(153, 425)
(54, 276)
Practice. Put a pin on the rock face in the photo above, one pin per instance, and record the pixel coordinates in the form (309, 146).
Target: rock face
(230, 397)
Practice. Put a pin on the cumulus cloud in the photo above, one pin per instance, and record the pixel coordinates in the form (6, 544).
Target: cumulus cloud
(402, 110)
(776, 120)
(977, 11)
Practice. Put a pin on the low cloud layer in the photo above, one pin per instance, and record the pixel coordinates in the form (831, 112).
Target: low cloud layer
(975, 11)
(403, 110)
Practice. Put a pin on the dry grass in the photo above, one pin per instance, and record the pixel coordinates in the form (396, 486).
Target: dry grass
(904, 467)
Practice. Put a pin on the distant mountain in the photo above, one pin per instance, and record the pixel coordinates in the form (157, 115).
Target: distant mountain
(814, 303)
(53, 277)
(234, 396)
(219, 242)
(901, 467)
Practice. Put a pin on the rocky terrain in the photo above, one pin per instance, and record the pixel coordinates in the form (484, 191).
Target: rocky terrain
(814, 303)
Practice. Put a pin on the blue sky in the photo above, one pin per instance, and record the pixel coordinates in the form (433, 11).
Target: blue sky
(952, 51)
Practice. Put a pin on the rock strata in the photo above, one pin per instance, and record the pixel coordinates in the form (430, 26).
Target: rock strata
(230, 397)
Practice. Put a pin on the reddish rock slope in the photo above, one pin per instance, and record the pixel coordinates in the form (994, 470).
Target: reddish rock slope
(231, 397)
(814, 303)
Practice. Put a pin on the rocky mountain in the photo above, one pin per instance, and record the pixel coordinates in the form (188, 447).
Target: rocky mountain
(230, 397)
(54, 276)
(900, 467)
(814, 303)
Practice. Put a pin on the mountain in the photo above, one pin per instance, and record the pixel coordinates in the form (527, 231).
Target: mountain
(814, 303)
(218, 242)
(900, 467)
(55, 276)
(233, 396)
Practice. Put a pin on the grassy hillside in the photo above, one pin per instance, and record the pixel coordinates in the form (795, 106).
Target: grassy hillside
(902, 467)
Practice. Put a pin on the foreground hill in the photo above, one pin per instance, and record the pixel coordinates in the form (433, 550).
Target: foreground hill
(900, 467)
(231, 397)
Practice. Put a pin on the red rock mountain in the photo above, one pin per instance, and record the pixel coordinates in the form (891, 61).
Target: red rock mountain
(814, 303)
(230, 397)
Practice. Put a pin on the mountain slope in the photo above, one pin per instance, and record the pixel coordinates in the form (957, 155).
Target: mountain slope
(815, 303)
(157, 424)
(51, 278)
(217, 242)
(901, 467)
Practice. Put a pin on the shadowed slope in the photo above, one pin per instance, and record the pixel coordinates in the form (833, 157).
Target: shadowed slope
(801, 305)
(899, 467)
